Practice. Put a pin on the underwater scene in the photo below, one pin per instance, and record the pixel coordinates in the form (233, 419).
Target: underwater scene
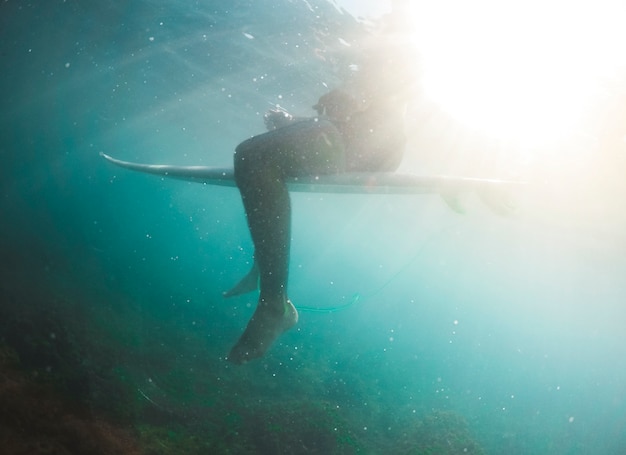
(450, 320)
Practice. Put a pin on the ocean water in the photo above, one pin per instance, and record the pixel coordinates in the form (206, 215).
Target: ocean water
(422, 330)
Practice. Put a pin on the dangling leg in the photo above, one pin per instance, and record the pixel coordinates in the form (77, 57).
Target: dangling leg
(267, 205)
(262, 164)
(248, 283)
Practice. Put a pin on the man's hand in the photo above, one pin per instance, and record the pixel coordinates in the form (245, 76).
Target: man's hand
(276, 118)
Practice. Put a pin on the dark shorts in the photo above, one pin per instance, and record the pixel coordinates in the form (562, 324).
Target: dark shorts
(307, 147)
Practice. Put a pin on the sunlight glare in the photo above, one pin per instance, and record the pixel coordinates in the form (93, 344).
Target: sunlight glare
(523, 71)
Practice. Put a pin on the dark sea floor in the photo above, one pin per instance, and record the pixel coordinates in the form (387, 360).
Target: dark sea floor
(73, 381)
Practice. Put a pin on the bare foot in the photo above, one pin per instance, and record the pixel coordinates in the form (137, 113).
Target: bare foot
(265, 326)
(248, 283)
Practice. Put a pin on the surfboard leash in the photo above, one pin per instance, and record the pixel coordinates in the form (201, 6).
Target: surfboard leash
(362, 298)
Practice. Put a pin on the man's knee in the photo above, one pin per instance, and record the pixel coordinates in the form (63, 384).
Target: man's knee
(249, 161)
(242, 157)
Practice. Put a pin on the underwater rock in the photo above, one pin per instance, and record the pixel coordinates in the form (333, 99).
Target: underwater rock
(442, 433)
(302, 427)
(35, 419)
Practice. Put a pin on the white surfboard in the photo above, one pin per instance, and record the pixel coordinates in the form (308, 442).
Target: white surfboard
(350, 182)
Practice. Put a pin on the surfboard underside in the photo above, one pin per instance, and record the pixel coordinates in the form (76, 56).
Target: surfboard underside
(350, 182)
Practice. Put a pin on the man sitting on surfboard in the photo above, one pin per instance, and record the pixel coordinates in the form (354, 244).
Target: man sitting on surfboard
(360, 132)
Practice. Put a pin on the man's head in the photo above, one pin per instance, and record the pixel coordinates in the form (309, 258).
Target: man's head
(337, 105)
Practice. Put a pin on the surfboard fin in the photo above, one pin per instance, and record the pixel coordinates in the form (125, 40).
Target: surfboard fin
(453, 200)
(498, 200)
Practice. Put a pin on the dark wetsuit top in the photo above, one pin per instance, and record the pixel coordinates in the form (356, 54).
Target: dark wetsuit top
(374, 140)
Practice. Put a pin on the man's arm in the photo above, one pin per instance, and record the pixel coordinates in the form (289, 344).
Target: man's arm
(277, 118)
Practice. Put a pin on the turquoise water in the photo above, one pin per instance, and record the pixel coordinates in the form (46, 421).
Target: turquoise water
(421, 330)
